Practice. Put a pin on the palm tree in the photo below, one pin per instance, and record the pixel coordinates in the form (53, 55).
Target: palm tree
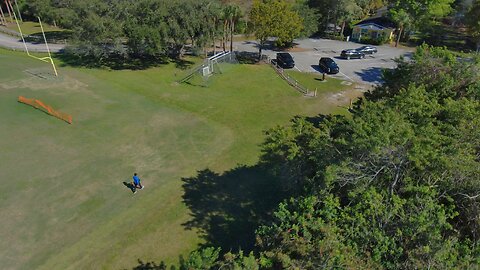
(215, 16)
(236, 14)
(402, 19)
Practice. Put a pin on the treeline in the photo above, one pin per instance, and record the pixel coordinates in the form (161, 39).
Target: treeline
(143, 28)
(395, 185)
(104, 30)
(157, 28)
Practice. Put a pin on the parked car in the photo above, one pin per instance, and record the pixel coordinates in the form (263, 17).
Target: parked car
(367, 49)
(328, 65)
(285, 60)
(348, 54)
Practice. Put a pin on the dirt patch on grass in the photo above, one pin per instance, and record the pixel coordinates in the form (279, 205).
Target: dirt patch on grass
(39, 84)
(344, 98)
(41, 81)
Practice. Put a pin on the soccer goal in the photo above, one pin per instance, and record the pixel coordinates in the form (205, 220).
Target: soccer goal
(220, 63)
(47, 59)
(216, 64)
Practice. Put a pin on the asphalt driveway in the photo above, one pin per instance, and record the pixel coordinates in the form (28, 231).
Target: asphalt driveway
(309, 51)
(15, 43)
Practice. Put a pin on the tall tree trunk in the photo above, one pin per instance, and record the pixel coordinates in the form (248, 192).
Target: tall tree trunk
(213, 32)
(222, 41)
(343, 28)
(224, 34)
(398, 37)
(232, 28)
(260, 49)
(328, 21)
(335, 20)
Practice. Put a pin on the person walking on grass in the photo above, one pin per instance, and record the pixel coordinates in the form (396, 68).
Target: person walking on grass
(136, 182)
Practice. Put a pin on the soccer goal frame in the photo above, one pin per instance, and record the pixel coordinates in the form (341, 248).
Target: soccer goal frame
(47, 59)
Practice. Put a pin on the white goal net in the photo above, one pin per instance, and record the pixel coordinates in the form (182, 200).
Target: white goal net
(216, 64)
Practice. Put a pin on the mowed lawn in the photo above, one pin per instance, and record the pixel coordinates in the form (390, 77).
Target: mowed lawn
(62, 201)
(29, 28)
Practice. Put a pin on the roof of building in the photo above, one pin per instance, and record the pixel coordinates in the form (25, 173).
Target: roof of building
(372, 26)
(382, 22)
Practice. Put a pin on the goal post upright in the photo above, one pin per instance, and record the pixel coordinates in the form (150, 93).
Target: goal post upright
(18, 10)
(8, 10)
(48, 49)
(2, 15)
(44, 59)
(21, 35)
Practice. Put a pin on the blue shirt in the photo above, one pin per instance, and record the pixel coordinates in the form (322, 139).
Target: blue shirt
(136, 179)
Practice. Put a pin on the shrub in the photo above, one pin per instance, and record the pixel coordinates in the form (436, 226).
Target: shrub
(374, 41)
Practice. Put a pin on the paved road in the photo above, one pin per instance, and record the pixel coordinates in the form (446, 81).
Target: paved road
(366, 70)
(14, 43)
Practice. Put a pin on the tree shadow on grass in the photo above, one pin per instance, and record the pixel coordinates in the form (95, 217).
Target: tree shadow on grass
(120, 62)
(227, 208)
(183, 64)
(151, 266)
(115, 62)
(249, 58)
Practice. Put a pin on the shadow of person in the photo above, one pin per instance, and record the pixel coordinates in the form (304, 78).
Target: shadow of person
(130, 186)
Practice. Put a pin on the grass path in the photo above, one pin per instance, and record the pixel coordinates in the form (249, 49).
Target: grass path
(63, 204)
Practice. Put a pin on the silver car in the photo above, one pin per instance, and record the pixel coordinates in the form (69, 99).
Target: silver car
(367, 49)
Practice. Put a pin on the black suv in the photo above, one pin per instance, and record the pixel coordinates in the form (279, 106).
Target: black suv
(367, 49)
(285, 60)
(328, 65)
(347, 54)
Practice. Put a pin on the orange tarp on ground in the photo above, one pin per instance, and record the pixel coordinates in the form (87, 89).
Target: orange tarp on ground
(42, 106)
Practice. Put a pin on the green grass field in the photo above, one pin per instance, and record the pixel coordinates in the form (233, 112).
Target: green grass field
(63, 204)
(29, 28)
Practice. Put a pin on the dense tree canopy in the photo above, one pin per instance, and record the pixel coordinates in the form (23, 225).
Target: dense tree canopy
(419, 15)
(143, 28)
(309, 18)
(275, 18)
(472, 20)
(343, 11)
(397, 185)
(394, 186)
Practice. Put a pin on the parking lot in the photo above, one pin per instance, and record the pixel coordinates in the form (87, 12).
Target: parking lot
(308, 51)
